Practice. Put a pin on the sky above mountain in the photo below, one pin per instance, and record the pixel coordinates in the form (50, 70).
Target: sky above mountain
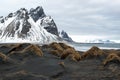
(81, 19)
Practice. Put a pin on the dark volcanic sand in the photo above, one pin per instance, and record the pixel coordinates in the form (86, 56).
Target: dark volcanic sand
(47, 67)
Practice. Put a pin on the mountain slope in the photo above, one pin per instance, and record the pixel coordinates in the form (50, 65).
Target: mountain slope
(46, 22)
(23, 25)
(30, 26)
(65, 36)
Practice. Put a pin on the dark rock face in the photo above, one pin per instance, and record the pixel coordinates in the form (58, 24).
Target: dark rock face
(37, 13)
(22, 14)
(10, 30)
(49, 25)
(10, 15)
(65, 36)
(1, 19)
(47, 21)
(26, 27)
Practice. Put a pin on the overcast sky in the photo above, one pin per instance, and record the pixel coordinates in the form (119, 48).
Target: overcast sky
(81, 19)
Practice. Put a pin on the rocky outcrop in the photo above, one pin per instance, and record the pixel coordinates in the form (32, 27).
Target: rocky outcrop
(46, 22)
(65, 36)
(37, 13)
(49, 24)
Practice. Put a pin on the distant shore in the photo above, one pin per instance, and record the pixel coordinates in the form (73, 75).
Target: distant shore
(86, 46)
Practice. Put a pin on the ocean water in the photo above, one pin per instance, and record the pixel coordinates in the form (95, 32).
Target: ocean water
(87, 46)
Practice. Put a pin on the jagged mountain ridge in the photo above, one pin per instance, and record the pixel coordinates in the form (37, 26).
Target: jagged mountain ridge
(31, 25)
(65, 36)
(45, 21)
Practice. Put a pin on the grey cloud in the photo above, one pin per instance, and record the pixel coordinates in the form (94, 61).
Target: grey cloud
(77, 17)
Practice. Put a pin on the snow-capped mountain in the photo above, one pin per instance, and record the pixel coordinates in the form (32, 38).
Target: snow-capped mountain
(99, 41)
(24, 25)
(46, 22)
(65, 36)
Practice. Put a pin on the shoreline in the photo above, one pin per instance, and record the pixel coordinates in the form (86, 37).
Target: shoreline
(87, 46)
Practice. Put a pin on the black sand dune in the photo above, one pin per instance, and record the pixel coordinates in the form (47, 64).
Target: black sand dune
(57, 61)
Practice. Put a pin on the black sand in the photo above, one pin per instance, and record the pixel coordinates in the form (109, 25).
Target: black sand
(48, 67)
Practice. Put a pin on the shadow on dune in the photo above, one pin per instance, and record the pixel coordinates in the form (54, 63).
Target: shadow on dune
(57, 61)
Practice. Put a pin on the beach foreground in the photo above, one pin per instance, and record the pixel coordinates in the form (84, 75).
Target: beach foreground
(57, 61)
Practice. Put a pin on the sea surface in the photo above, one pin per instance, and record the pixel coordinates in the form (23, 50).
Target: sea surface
(86, 46)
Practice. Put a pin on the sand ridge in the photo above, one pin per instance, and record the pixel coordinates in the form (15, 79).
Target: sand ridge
(57, 61)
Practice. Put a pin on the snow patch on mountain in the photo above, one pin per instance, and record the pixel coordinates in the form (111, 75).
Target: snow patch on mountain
(30, 26)
(21, 26)
(48, 23)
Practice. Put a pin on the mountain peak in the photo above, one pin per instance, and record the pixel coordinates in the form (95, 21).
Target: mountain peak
(37, 13)
(21, 26)
(49, 24)
(39, 8)
(33, 26)
(65, 36)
